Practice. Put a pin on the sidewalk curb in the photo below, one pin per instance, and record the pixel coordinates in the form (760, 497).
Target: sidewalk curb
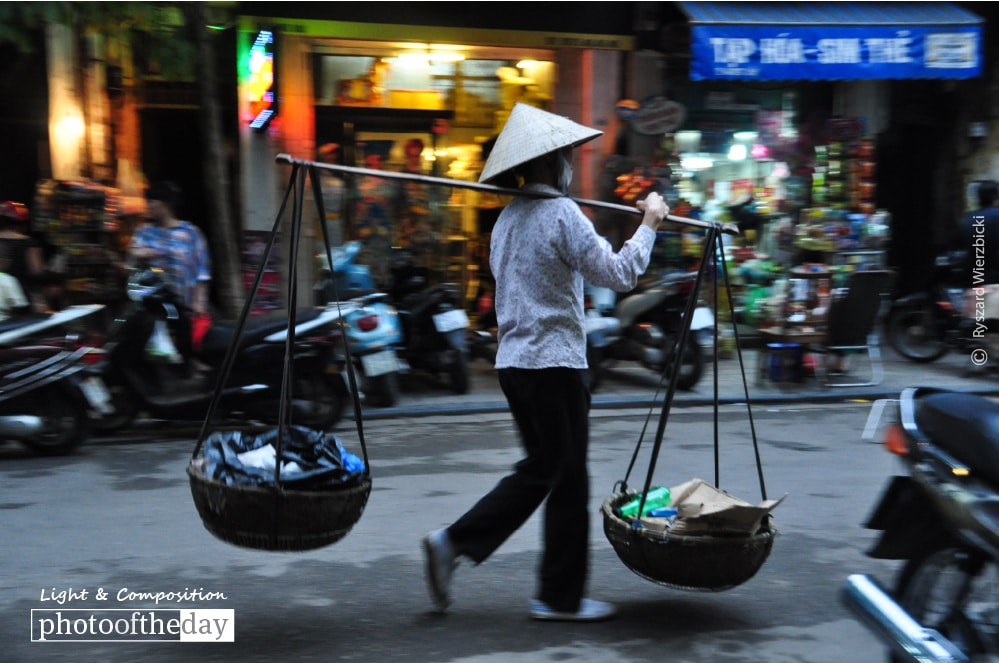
(445, 408)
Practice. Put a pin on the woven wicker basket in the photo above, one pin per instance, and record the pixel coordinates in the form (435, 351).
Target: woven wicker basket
(269, 518)
(695, 563)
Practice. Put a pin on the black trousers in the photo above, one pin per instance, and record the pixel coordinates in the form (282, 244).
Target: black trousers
(551, 409)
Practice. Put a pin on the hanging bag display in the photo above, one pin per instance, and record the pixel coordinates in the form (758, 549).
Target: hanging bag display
(200, 324)
(160, 347)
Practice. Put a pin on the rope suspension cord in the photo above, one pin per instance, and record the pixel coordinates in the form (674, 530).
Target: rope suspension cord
(295, 192)
(712, 243)
(725, 228)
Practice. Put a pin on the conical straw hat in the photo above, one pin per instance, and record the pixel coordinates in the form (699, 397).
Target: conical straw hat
(528, 133)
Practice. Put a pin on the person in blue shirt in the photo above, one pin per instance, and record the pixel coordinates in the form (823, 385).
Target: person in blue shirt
(542, 249)
(180, 250)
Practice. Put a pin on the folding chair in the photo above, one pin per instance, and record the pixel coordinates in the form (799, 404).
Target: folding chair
(851, 327)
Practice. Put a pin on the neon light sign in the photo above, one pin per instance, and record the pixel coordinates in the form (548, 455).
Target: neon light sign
(261, 80)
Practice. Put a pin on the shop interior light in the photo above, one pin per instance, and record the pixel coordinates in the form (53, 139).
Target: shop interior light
(446, 56)
(413, 57)
(687, 140)
(737, 152)
(745, 136)
(696, 163)
(527, 64)
(70, 127)
(759, 151)
(425, 54)
(426, 58)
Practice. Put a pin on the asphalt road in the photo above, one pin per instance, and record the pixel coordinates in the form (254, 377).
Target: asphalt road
(119, 516)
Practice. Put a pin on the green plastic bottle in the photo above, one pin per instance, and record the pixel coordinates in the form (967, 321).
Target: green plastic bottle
(657, 498)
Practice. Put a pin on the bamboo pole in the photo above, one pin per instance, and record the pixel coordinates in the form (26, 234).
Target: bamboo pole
(726, 228)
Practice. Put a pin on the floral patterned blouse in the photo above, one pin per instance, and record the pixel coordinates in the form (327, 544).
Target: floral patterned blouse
(542, 250)
(182, 254)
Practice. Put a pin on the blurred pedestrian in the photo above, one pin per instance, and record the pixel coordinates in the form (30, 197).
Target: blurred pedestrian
(415, 229)
(13, 300)
(333, 189)
(180, 250)
(542, 250)
(25, 255)
(377, 203)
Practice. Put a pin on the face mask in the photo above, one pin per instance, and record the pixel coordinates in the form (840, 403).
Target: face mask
(564, 167)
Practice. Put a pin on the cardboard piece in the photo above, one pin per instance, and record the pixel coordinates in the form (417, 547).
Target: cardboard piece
(703, 509)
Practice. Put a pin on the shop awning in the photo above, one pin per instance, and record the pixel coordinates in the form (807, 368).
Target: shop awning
(833, 40)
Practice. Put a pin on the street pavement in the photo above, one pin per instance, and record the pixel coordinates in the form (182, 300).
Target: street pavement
(118, 516)
(626, 384)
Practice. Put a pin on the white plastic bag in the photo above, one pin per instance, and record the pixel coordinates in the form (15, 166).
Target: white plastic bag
(160, 346)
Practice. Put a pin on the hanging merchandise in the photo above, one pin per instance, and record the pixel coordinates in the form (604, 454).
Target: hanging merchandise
(692, 535)
(85, 224)
(160, 346)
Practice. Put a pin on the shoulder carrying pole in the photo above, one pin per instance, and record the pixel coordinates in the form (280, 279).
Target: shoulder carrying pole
(726, 228)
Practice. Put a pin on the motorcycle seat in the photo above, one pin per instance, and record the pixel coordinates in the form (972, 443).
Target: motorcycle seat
(964, 425)
(219, 337)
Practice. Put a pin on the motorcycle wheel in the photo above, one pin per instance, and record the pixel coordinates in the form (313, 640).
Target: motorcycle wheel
(126, 409)
(319, 400)
(954, 592)
(912, 333)
(594, 366)
(65, 424)
(382, 390)
(458, 374)
(691, 362)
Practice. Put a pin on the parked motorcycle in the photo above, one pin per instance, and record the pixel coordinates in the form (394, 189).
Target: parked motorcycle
(643, 326)
(941, 517)
(138, 382)
(45, 397)
(481, 339)
(924, 326)
(434, 323)
(374, 330)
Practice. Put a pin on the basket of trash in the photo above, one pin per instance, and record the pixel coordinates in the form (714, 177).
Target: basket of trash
(675, 548)
(319, 496)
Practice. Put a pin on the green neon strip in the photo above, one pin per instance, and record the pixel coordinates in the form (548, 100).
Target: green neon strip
(426, 34)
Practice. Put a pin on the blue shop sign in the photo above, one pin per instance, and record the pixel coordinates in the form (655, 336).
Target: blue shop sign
(833, 41)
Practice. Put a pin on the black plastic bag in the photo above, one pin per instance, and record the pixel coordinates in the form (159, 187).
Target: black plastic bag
(310, 460)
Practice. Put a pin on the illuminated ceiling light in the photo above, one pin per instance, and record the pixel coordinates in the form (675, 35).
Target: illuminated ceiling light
(430, 54)
(71, 126)
(527, 64)
(696, 163)
(746, 136)
(687, 141)
(414, 57)
(446, 56)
